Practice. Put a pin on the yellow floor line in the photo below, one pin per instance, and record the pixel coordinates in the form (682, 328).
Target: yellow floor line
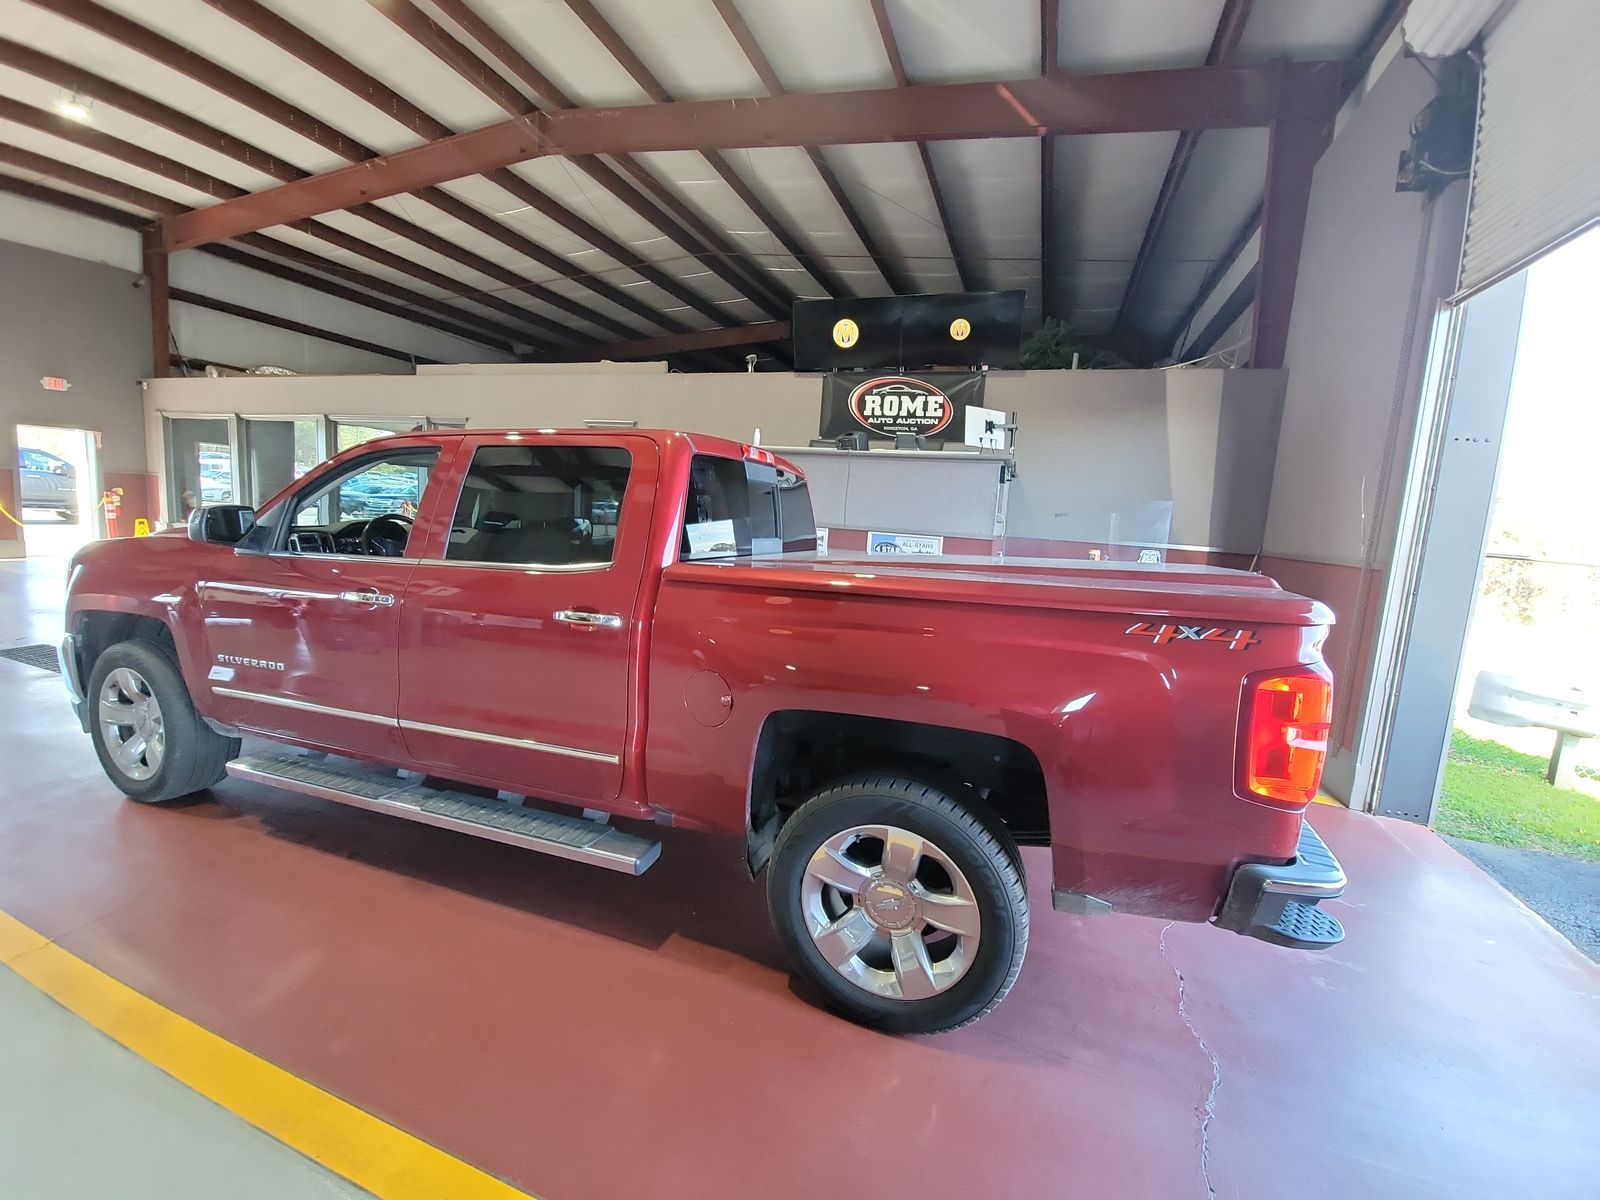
(388, 1162)
(1324, 798)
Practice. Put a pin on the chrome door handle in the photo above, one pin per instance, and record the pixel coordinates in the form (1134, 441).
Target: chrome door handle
(381, 598)
(581, 616)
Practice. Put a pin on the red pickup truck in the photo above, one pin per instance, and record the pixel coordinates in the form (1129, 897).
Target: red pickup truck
(635, 627)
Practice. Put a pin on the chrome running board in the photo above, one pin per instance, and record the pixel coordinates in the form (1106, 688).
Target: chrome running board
(378, 790)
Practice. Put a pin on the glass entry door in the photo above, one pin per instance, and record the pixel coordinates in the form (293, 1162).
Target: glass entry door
(280, 450)
(202, 467)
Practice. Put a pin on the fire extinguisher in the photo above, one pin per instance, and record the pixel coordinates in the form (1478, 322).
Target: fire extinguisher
(112, 501)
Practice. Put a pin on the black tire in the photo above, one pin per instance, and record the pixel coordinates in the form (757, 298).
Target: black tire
(974, 843)
(193, 755)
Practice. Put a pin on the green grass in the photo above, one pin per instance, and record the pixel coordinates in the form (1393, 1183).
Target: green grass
(1495, 794)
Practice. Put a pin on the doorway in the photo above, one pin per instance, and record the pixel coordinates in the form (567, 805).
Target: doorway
(1483, 717)
(58, 490)
(1521, 789)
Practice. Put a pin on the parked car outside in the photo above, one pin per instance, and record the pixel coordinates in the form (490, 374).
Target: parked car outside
(48, 481)
(375, 493)
(216, 477)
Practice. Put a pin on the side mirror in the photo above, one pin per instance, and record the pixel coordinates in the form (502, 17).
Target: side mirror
(221, 524)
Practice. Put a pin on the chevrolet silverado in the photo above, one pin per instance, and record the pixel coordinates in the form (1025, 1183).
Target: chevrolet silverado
(587, 633)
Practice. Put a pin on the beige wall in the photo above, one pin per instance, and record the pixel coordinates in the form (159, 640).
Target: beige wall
(1095, 448)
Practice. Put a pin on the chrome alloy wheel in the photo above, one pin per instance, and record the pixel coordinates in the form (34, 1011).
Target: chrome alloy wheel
(130, 722)
(891, 912)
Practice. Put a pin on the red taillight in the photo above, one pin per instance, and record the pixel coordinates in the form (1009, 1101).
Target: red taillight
(1286, 737)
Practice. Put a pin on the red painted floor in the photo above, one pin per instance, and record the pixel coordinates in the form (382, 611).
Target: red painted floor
(587, 1035)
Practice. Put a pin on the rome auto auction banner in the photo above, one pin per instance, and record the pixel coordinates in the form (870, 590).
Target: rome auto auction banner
(885, 404)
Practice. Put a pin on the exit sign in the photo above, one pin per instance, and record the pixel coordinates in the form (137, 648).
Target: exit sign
(54, 383)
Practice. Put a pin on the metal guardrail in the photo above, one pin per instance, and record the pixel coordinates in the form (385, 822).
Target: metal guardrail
(1544, 562)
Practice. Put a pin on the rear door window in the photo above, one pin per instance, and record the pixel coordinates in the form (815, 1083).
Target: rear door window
(552, 506)
(736, 507)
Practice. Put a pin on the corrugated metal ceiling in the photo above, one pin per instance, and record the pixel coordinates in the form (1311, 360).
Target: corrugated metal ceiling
(1105, 186)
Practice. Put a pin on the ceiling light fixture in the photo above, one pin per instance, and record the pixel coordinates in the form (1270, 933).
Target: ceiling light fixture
(74, 107)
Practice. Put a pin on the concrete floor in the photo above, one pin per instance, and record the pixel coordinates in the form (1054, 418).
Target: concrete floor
(48, 535)
(33, 592)
(80, 1116)
(587, 1035)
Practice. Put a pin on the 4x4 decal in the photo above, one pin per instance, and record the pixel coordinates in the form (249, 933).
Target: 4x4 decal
(1235, 639)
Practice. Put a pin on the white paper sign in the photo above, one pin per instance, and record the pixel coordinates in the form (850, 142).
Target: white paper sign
(904, 543)
(822, 541)
(711, 539)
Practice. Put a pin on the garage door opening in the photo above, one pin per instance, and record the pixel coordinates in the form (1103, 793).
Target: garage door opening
(57, 490)
(1486, 660)
(1522, 775)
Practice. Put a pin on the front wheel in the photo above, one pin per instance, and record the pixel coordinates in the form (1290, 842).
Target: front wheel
(904, 908)
(151, 742)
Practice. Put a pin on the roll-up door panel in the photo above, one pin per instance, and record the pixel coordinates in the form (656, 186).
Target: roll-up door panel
(1536, 173)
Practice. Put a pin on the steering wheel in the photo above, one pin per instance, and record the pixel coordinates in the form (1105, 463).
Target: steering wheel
(386, 536)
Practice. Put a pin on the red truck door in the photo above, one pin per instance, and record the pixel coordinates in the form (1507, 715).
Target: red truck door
(298, 629)
(516, 630)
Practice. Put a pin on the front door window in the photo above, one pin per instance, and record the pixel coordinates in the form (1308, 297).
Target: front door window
(367, 508)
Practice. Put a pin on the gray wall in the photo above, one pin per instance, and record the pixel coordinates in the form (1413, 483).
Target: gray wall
(1357, 338)
(1375, 268)
(87, 323)
(1098, 451)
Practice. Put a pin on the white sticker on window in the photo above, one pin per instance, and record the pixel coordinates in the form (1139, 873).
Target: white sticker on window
(710, 539)
(904, 543)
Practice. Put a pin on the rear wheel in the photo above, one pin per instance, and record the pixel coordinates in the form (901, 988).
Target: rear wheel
(151, 742)
(906, 910)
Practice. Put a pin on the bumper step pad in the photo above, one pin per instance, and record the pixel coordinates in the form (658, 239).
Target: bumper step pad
(1277, 902)
(1302, 926)
(379, 790)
